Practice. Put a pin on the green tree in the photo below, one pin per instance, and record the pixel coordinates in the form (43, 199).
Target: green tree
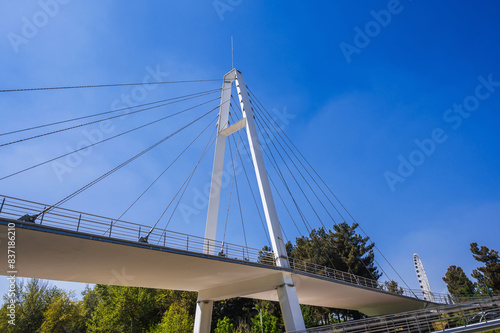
(63, 315)
(32, 301)
(123, 309)
(457, 282)
(312, 317)
(340, 249)
(487, 276)
(264, 321)
(235, 309)
(224, 325)
(176, 320)
(393, 287)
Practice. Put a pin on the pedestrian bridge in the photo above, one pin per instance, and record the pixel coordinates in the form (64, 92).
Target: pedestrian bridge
(67, 245)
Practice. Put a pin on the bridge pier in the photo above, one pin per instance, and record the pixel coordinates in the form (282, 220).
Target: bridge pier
(203, 318)
(281, 282)
(289, 304)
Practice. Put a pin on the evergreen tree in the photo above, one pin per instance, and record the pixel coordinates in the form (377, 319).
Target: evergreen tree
(457, 282)
(393, 287)
(341, 249)
(488, 276)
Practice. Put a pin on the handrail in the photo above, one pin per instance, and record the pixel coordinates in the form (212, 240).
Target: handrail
(485, 314)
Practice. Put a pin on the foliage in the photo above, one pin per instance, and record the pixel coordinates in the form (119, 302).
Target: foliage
(393, 287)
(457, 282)
(123, 309)
(176, 320)
(340, 249)
(235, 309)
(63, 315)
(487, 276)
(32, 302)
(264, 321)
(224, 326)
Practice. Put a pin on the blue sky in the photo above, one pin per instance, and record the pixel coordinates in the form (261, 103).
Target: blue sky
(376, 111)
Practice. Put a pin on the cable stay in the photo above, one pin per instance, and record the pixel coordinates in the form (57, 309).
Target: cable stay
(94, 122)
(253, 197)
(190, 177)
(108, 139)
(301, 174)
(106, 85)
(32, 218)
(275, 166)
(221, 253)
(241, 214)
(288, 168)
(209, 144)
(161, 174)
(269, 118)
(255, 200)
(183, 98)
(270, 156)
(291, 173)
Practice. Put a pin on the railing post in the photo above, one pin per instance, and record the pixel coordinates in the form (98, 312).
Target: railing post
(139, 232)
(43, 214)
(1, 207)
(164, 238)
(79, 219)
(187, 244)
(110, 227)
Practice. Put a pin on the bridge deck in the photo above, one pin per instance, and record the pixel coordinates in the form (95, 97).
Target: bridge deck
(57, 254)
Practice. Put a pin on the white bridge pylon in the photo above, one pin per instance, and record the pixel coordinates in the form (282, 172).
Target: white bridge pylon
(285, 289)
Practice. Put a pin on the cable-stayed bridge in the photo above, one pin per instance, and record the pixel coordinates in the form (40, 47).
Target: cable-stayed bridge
(62, 244)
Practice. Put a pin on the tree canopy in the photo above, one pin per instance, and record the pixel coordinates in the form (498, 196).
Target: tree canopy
(457, 282)
(340, 248)
(488, 276)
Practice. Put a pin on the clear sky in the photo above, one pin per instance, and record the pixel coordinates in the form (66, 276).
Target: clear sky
(395, 103)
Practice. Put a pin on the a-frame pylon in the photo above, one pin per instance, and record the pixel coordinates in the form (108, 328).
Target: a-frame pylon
(287, 294)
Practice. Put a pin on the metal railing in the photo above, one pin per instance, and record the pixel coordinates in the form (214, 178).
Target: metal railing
(13, 208)
(458, 317)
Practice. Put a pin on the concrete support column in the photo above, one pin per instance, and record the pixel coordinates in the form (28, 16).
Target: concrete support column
(203, 318)
(289, 304)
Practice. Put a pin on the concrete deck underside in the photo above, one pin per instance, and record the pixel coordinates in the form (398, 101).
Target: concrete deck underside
(57, 254)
